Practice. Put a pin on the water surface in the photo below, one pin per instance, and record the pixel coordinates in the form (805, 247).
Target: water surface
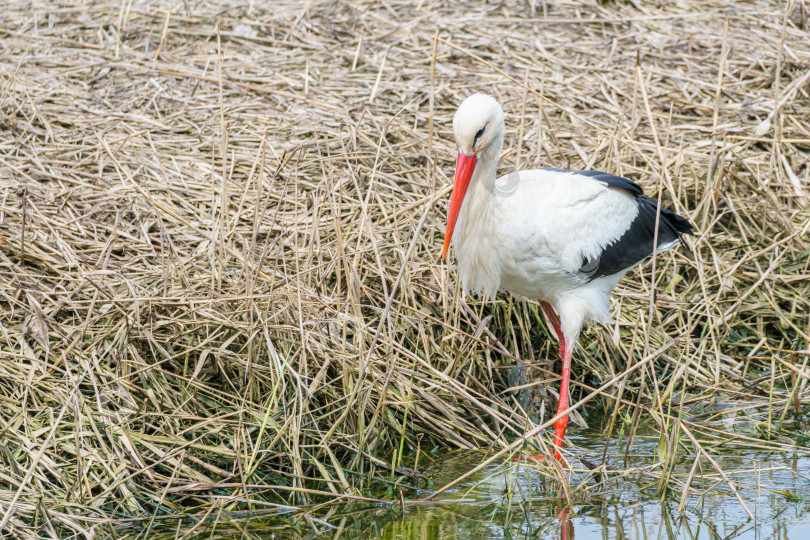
(518, 500)
(515, 502)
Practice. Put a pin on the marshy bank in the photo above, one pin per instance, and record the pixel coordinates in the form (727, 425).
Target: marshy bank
(220, 286)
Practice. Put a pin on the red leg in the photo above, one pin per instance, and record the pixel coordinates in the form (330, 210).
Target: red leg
(566, 351)
(554, 319)
(559, 426)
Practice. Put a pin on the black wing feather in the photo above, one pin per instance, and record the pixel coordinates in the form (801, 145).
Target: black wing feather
(636, 244)
(611, 180)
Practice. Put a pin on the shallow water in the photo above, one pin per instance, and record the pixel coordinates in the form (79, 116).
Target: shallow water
(519, 501)
(774, 486)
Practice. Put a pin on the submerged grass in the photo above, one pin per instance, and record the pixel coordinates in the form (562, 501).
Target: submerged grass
(220, 289)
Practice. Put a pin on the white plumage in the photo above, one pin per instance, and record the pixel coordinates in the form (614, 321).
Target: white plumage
(561, 237)
(531, 238)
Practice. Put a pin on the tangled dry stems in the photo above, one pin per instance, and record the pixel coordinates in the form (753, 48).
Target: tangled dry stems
(219, 232)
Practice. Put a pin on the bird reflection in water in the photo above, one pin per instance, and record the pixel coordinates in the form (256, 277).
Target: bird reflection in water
(566, 525)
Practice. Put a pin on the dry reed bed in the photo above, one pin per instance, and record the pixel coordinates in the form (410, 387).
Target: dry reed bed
(219, 233)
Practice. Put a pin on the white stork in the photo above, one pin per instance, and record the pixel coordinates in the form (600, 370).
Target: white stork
(564, 238)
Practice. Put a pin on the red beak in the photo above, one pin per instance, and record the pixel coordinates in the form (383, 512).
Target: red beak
(465, 165)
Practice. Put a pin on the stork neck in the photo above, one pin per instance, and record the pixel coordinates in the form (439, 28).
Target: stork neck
(474, 237)
(482, 184)
(488, 166)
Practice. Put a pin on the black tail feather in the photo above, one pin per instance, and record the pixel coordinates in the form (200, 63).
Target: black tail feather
(636, 244)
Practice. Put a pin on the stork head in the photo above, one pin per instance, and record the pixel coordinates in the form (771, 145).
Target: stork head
(477, 123)
(478, 127)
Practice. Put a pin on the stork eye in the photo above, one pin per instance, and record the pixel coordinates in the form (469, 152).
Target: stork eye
(478, 134)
